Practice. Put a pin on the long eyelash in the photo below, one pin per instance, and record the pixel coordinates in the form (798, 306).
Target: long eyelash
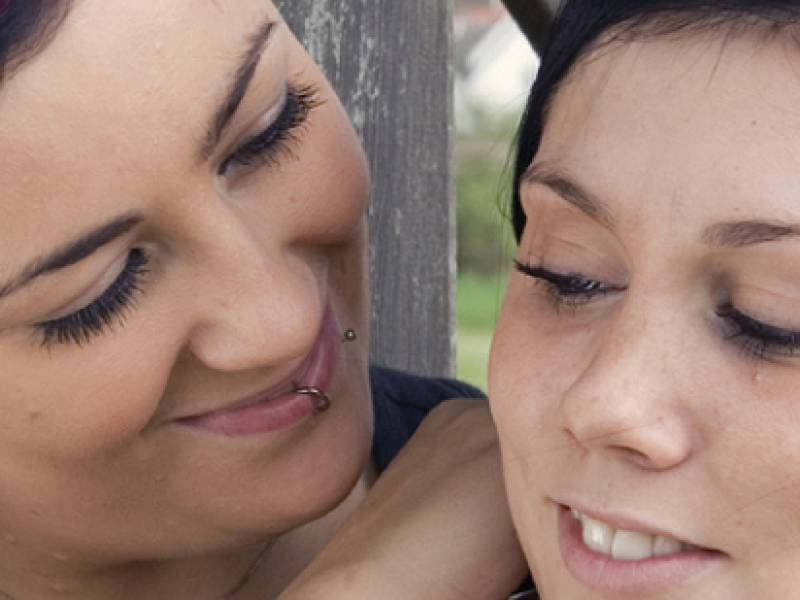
(265, 147)
(571, 290)
(756, 338)
(112, 306)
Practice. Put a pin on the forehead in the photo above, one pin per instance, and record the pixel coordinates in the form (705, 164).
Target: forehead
(110, 56)
(119, 99)
(696, 118)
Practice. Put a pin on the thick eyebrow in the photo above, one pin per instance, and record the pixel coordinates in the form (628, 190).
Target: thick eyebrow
(733, 234)
(747, 233)
(570, 191)
(238, 88)
(72, 252)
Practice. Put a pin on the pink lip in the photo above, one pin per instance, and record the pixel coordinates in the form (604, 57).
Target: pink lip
(622, 577)
(280, 406)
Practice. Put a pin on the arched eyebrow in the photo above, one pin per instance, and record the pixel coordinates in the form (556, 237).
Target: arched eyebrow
(238, 87)
(82, 247)
(747, 233)
(733, 234)
(72, 252)
(569, 190)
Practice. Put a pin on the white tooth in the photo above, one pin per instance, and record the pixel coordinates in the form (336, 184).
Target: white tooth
(629, 545)
(664, 545)
(597, 535)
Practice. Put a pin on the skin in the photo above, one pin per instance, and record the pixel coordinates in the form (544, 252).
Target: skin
(434, 526)
(103, 494)
(642, 401)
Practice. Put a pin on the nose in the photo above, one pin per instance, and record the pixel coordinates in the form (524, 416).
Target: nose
(630, 401)
(259, 304)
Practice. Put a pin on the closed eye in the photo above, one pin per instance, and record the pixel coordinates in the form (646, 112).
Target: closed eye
(110, 307)
(568, 289)
(266, 146)
(756, 338)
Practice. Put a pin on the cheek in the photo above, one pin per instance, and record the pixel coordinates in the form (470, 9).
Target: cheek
(316, 196)
(526, 371)
(77, 402)
(756, 461)
(335, 177)
(532, 365)
(332, 169)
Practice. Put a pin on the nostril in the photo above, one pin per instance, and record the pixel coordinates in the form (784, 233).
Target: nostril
(635, 457)
(649, 448)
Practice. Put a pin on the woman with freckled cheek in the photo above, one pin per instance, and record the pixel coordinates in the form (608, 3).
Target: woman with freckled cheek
(184, 387)
(644, 376)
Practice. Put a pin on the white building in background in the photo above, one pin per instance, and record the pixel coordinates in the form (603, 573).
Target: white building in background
(495, 65)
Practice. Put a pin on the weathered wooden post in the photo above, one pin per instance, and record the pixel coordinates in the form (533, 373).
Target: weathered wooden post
(390, 63)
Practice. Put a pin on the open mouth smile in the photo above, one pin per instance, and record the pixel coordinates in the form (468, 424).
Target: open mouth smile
(624, 562)
(619, 544)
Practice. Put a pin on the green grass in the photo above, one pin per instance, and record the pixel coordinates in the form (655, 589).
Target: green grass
(478, 305)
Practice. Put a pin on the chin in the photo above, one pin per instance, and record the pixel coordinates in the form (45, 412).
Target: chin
(332, 462)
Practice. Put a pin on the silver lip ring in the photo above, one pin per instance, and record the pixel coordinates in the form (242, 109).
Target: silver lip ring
(324, 401)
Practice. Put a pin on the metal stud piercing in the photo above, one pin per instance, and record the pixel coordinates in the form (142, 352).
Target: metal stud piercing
(323, 400)
(350, 335)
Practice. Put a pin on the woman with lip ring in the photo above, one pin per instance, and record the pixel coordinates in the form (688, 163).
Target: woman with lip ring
(645, 378)
(183, 348)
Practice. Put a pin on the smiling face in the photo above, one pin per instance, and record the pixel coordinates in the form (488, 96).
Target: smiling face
(645, 370)
(182, 244)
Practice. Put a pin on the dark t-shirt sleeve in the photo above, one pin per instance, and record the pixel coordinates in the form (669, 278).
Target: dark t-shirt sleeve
(401, 401)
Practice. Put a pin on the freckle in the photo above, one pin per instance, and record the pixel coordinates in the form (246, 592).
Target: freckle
(755, 122)
(33, 414)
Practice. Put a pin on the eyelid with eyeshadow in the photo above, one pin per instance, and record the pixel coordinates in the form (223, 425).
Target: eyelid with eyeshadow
(267, 146)
(568, 289)
(755, 337)
(110, 307)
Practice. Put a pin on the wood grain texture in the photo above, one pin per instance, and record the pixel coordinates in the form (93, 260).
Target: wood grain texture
(389, 61)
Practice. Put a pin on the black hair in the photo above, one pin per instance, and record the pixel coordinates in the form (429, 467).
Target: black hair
(26, 27)
(582, 26)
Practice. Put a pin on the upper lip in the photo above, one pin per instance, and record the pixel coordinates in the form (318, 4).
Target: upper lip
(627, 522)
(302, 373)
(311, 370)
(289, 383)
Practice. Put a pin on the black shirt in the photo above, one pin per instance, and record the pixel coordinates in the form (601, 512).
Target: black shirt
(401, 401)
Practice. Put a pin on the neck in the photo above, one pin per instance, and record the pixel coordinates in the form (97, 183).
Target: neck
(213, 576)
(294, 551)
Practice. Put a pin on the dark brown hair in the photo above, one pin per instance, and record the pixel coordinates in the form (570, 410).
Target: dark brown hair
(26, 27)
(583, 26)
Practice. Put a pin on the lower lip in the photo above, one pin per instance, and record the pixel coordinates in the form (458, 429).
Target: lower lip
(274, 414)
(270, 415)
(626, 577)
